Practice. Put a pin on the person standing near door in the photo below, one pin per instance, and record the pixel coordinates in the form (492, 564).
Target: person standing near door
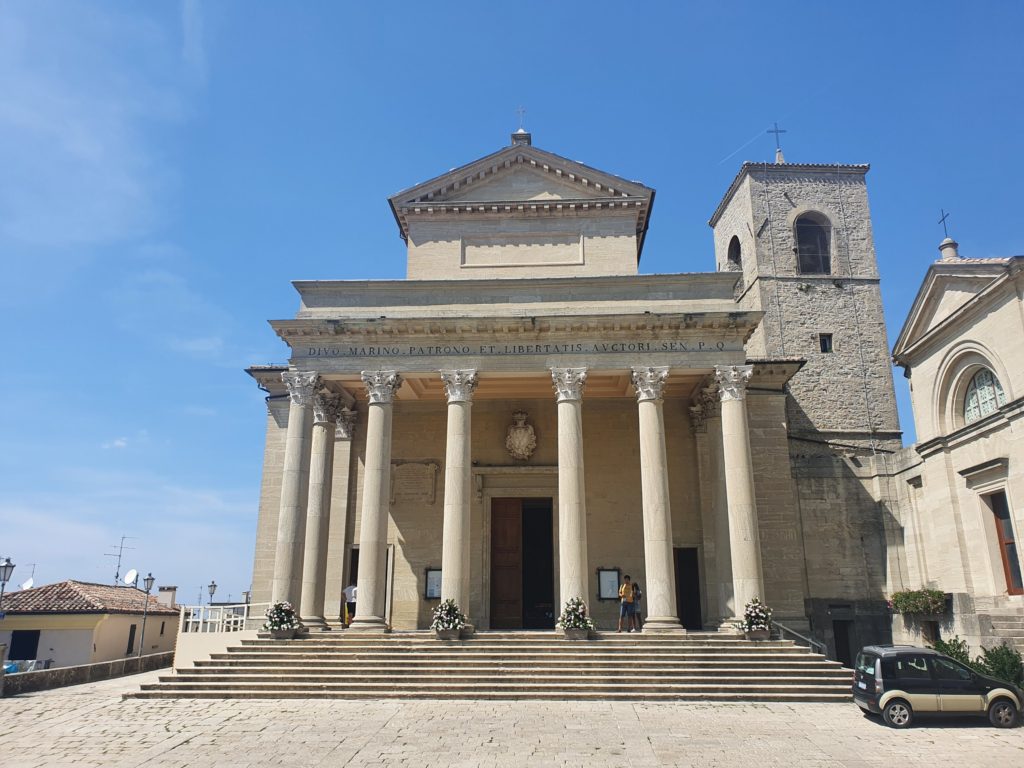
(350, 603)
(626, 604)
(637, 597)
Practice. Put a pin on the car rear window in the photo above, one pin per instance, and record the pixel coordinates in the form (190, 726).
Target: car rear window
(866, 663)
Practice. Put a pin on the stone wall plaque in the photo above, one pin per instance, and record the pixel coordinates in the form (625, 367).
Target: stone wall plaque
(414, 481)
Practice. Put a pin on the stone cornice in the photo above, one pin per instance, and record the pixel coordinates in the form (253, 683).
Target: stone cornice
(1002, 418)
(783, 169)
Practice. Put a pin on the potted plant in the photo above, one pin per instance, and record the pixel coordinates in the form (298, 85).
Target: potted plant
(448, 621)
(757, 620)
(282, 622)
(923, 602)
(574, 620)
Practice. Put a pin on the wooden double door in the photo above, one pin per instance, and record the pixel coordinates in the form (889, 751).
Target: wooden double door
(522, 564)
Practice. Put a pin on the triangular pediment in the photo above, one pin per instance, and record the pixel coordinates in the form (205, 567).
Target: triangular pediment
(536, 170)
(521, 184)
(948, 288)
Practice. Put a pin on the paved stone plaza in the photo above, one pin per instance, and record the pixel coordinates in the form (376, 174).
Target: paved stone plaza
(91, 725)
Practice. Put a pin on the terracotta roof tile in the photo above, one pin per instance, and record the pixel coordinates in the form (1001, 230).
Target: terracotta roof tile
(82, 597)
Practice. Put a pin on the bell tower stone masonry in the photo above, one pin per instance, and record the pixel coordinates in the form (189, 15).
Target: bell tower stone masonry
(799, 237)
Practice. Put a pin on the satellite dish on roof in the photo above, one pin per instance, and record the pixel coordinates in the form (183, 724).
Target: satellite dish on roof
(28, 584)
(130, 577)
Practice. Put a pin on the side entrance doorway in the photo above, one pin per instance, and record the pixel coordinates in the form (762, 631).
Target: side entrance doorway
(688, 587)
(522, 564)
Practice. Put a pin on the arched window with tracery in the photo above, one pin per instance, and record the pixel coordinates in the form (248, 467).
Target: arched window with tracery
(984, 396)
(735, 252)
(813, 236)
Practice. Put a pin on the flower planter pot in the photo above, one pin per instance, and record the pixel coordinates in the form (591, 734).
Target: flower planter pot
(577, 634)
(757, 634)
(448, 634)
(282, 634)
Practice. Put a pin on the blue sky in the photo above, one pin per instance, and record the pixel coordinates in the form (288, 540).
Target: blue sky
(167, 168)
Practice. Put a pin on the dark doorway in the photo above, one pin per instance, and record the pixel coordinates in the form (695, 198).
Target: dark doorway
(842, 630)
(522, 564)
(131, 641)
(24, 645)
(688, 587)
(353, 567)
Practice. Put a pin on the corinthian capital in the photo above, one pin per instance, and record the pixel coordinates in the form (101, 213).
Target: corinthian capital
(326, 407)
(732, 381)
(381, 385)
(569, 383)
(346, 424)
(301, 385)
(459, 385)
(649, 383)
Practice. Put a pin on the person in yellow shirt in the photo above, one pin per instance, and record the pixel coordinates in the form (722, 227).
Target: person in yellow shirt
(626, 604)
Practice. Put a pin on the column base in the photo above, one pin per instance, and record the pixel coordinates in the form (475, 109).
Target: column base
(657, 625)
(369, 625)
(315, 623)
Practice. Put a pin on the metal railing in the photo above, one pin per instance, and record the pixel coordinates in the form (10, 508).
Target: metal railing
(222, 618)
(815, 645)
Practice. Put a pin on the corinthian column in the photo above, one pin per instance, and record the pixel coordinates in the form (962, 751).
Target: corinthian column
(373, 527)
(658, 561)
(458, 386)
(572, 494)
(326, 408)
(294, 487)
(744, 544)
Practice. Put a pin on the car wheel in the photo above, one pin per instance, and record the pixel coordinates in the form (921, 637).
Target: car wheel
(898, 714)
(1002, 714)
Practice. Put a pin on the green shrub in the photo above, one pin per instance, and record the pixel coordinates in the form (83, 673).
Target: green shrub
(922, 601)
(1001, 662)
(955, 649)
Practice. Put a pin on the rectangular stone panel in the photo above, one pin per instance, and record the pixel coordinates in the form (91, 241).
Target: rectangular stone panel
(528, 249)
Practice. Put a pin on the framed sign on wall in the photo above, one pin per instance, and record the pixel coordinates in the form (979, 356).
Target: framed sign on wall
(432, 589)
(608, 583)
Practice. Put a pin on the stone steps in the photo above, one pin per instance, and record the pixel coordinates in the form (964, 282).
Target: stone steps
(539, 665)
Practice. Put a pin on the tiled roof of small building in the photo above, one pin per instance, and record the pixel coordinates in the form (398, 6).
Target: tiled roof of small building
(82, 597)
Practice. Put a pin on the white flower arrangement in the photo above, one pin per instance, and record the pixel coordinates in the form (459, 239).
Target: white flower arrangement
(281, 616)
(574, 615)
(756, 615)
(448, 616)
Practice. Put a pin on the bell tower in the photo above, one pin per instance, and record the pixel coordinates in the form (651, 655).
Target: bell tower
(798, 236)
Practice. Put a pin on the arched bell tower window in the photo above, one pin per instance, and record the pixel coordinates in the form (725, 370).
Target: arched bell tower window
(813, 235)
(984, 396)
(735, 255)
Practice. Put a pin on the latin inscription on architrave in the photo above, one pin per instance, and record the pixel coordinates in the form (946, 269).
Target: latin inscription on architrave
(501, 350)
(414, 481)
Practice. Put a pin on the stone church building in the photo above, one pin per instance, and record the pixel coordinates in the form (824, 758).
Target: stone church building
(527, 418)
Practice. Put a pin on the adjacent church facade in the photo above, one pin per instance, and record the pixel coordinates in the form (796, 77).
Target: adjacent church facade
(526, 418)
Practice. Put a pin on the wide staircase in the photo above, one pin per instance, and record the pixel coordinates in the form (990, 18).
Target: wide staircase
(701, 666)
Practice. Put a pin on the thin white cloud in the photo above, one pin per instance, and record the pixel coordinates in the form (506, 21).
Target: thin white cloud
(117, 442)
(185, 536)
(193, 51)
(82, 85)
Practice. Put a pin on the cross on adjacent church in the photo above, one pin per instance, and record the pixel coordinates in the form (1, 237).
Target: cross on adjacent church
(776, 130)
(942, 221)
(521, 112)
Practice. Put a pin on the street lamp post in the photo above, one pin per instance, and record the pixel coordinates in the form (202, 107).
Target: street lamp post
(212, 588)
(6, 569)
(148, 582)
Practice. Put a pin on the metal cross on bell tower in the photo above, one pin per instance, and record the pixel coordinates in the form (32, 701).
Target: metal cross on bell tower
(778, 146)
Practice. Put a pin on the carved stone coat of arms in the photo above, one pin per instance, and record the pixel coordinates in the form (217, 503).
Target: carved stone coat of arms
(521, 439)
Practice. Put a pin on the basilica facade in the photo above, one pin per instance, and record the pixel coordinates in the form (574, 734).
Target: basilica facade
(527, 418)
